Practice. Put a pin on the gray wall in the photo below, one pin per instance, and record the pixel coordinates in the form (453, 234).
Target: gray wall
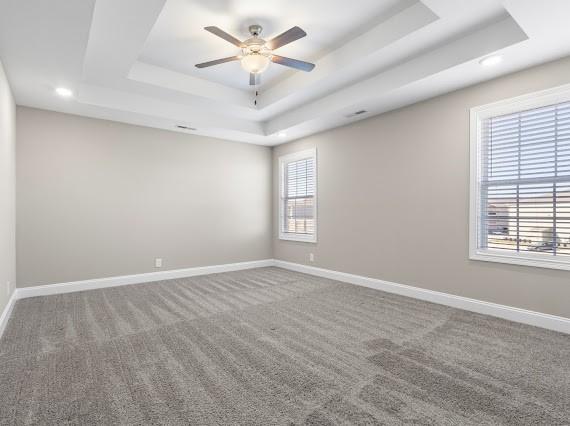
(7, 191)
(98, 198)
(394, 197)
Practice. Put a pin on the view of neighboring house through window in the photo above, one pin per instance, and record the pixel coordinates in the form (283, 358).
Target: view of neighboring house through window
(297, 204)
(524, 183)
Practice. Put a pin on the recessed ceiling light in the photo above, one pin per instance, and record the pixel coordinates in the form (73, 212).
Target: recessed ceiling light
(282, 134)
(64, 92)
(489, 61)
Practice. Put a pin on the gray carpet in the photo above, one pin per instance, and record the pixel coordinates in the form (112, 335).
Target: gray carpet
(269, 346)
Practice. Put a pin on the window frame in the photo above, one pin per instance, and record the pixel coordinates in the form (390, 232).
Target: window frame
(478, 114)
(283, 161)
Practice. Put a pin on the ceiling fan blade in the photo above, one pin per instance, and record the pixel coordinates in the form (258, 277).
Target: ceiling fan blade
(287, 37)
(254, 79)
(293, 63)
(217, 61)
(221, 33)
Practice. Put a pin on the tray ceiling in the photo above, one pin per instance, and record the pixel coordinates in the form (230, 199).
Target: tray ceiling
(133, 61)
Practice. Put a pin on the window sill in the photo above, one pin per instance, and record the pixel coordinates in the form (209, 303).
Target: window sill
(536, 260)
(298, 238)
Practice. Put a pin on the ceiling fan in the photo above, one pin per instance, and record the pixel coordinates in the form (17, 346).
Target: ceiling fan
(256, 53)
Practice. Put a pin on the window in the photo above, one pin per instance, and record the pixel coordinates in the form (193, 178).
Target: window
(520, 180)
(298, 196)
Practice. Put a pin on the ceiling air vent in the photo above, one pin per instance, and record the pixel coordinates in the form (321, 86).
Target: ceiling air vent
(185, 127)
(354, 114)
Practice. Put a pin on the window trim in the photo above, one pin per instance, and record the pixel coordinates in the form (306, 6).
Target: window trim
(283, 160)
(539, 99)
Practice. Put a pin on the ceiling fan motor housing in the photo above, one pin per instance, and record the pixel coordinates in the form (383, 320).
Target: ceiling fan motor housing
(254, 44)
(255, 30)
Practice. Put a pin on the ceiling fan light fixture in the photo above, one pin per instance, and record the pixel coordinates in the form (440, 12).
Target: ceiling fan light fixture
(255, 63)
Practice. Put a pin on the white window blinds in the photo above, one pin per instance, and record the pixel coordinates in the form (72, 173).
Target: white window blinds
(298, 196)
(525, 182)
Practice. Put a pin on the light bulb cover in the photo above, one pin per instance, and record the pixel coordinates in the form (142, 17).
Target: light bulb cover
(64, 92)
(255, 63)
(489, 61)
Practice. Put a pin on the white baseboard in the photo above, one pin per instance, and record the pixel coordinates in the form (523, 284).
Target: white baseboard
(50, 289)
(7, 311)
(524, 316)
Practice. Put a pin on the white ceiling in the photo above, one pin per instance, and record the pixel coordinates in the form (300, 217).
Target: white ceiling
(133, 61)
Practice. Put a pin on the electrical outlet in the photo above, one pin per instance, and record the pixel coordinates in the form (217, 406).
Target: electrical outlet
(158, 262)
(311, 257)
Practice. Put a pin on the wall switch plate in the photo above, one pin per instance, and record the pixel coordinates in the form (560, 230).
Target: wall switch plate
(311, 257)
(158, 262)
